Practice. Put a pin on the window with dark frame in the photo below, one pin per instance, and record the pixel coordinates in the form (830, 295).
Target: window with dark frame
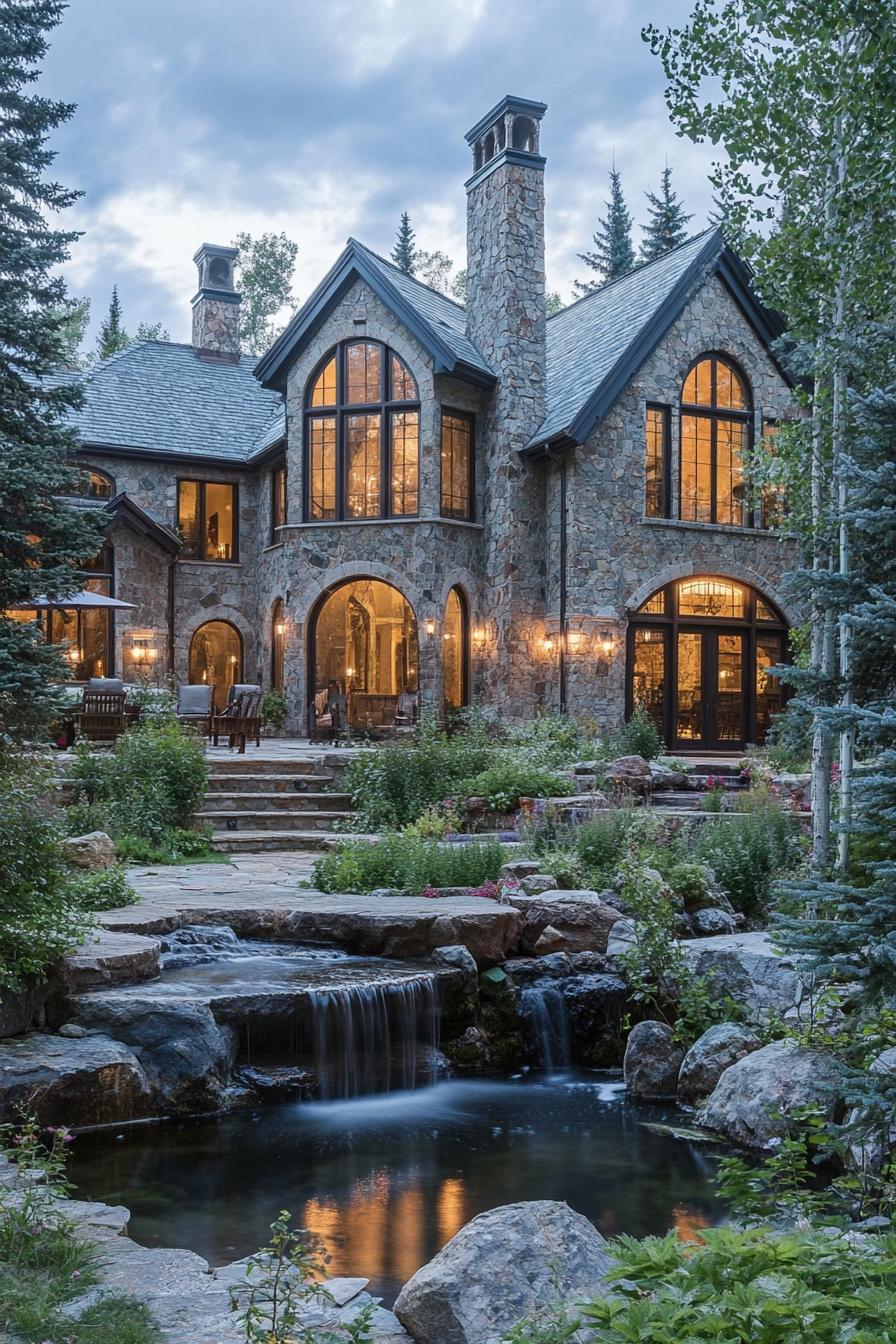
(362, 436)
(278, 501)
(207, 520)
(716, 415)
(457, 459)
(657, 499)
(772, 507)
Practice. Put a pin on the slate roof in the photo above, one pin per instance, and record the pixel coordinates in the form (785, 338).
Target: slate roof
(160, 397)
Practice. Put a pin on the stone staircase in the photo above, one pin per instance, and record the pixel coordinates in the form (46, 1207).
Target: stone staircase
(688, 800)
(272, 804)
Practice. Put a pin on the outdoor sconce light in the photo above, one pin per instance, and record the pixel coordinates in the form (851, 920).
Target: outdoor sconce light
(478, 635)
(280, 629)
(142, 651)
(429, 627)
(605, 642)
(547, 644)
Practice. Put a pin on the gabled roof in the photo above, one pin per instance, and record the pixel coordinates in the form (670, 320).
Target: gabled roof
(595, 347)
(123, 509)
(162, 398)
(438, 323)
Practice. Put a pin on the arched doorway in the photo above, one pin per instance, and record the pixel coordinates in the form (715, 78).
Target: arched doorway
(364, 655)
(455, 642)
(278, 645)
(216, 658)
(699, 651)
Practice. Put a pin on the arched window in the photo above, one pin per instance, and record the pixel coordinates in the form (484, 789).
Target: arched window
(699, 656)
(364, 656)
(455, 640)
(362, 436)
(716, 415)
(278, 644)
(216, 658)
(93, 484)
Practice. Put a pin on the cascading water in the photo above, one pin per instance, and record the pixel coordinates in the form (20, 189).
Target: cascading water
(374, 1037)
(543, 1006)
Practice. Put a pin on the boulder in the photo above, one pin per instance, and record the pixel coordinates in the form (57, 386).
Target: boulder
(581, 917)
(22, 1008)
(500, 1268)
(275, 1082)
(871, 1143)
(652, 1061)
(664, 777)
(538, 883)
(630, 774)
(709, 1057)
(524, 970)
(519, 868)
(577, 808)
(92, 1081)
(622, 937)
(746, 968)
(93, 851)
(550, 940)
(457, 956)
(711, 922)
(109, 958)
(752, 1099)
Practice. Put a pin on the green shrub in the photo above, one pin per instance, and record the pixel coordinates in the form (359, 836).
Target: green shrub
(408, 863)
(505, 782)
(751, 851)
(175, 845)
(273, 709)
(752, 1286)
(689, 880)
(105, 890)
(153, 780)
(38, 918)
(639, 737)
(393, 784)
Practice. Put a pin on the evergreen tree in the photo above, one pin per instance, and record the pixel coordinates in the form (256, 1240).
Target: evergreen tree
(404, 253)
(667, 227)
(613, 253)
(266, 268)
(112, 336)
(43, 541)
(152, 331)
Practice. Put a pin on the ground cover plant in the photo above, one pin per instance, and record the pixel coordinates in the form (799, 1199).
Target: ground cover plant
(408, 863)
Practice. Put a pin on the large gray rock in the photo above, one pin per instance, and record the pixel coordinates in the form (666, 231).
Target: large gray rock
(623, 936)
(500, 1268)
(92, 1081)
(109, 959)
(630, 774)
(746, 968)
(93, 851)
(22, 1008)
(709, 1057)
(712, 922)
(458, 957)
(754, 1097)
(652, 1061)
(580, 918)
(538, 883)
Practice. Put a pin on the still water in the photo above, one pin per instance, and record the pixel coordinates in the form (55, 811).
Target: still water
(384, 1181)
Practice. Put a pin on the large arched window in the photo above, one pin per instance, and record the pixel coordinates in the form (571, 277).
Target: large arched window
(216, 658)
(362, 435)
(92, 483)
(278, 644)
(699, 656)
(364, 656)
(716, 415)
(455, 640)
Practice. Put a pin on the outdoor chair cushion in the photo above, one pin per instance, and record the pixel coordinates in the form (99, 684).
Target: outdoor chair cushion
(194, 701)
(113, 684)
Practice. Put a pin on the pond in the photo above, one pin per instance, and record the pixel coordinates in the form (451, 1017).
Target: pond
(386, 1180)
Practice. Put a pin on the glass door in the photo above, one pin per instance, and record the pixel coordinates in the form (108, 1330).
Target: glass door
(728, 704)
(690, 718)
(709, 689)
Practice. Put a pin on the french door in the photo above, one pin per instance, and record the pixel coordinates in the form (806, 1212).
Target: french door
(709, 707)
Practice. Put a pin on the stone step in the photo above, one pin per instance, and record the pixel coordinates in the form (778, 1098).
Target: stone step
(233, 764)
(276, 802)
(676, 799)
(270, 842)
(231, 821)
(260, 783)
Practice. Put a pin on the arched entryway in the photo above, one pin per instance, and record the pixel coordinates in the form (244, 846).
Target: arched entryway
(363, 656)
(699, 650)
(456, 647)
(216, 658)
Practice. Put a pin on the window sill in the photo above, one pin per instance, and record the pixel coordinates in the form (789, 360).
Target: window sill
(231, 564)
(733, 529)
(382, 522)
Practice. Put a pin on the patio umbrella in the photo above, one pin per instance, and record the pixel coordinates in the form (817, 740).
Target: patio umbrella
(82, 600)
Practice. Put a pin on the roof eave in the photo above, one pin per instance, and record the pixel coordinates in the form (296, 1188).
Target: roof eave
(139, 453)
(559, 443)
(121, 508)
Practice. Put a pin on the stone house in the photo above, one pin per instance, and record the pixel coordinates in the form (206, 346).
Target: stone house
(410, 503)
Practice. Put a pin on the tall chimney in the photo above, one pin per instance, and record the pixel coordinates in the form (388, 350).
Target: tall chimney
(216, 305)
(506, 321)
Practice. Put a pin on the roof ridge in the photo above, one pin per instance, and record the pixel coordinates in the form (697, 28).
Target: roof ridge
(422, 283)
(635, 270)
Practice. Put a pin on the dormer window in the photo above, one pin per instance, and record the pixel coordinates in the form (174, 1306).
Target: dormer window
(362, 436)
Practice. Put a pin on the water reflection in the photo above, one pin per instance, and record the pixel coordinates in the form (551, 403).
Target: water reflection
(385, 1181)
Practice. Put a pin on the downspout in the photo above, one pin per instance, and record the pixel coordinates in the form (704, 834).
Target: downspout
(561, 461)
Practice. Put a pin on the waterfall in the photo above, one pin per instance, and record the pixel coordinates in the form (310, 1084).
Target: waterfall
(543, 1005)
(375, 1037)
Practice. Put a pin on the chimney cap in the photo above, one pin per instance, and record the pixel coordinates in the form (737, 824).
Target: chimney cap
(215, 250)
(509, 103)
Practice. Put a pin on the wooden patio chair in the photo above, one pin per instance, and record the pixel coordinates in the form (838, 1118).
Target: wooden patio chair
(241, 720)
(102, 717)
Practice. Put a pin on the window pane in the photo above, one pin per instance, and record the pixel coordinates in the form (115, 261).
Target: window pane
(649, 674)
(362, 446)
(656, 605)
(764, 611)
(730, 702)
(456, 466)
(188, 517)
(216, 659)
(689, 717)
(94, 642)
(730, 391)
(454, 644)
(363, 372)
(769, 700)
(366, 657)
(710, 597)
(730, 493)
(698, 384)
(220, 523)
(324, 391)
(278, 501)
(655, 502)
(322, 493)
(696, 468)
(405, 427)
(404, 387)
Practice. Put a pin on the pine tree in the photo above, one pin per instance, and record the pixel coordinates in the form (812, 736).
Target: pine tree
(613, 253)
(43, 541)
(404, 253)
(112, 336)
(667, 227)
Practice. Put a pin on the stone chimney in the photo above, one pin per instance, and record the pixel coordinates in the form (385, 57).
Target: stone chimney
(216, 305)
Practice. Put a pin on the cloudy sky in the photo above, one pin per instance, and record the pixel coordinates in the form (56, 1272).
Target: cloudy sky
(197, 118)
